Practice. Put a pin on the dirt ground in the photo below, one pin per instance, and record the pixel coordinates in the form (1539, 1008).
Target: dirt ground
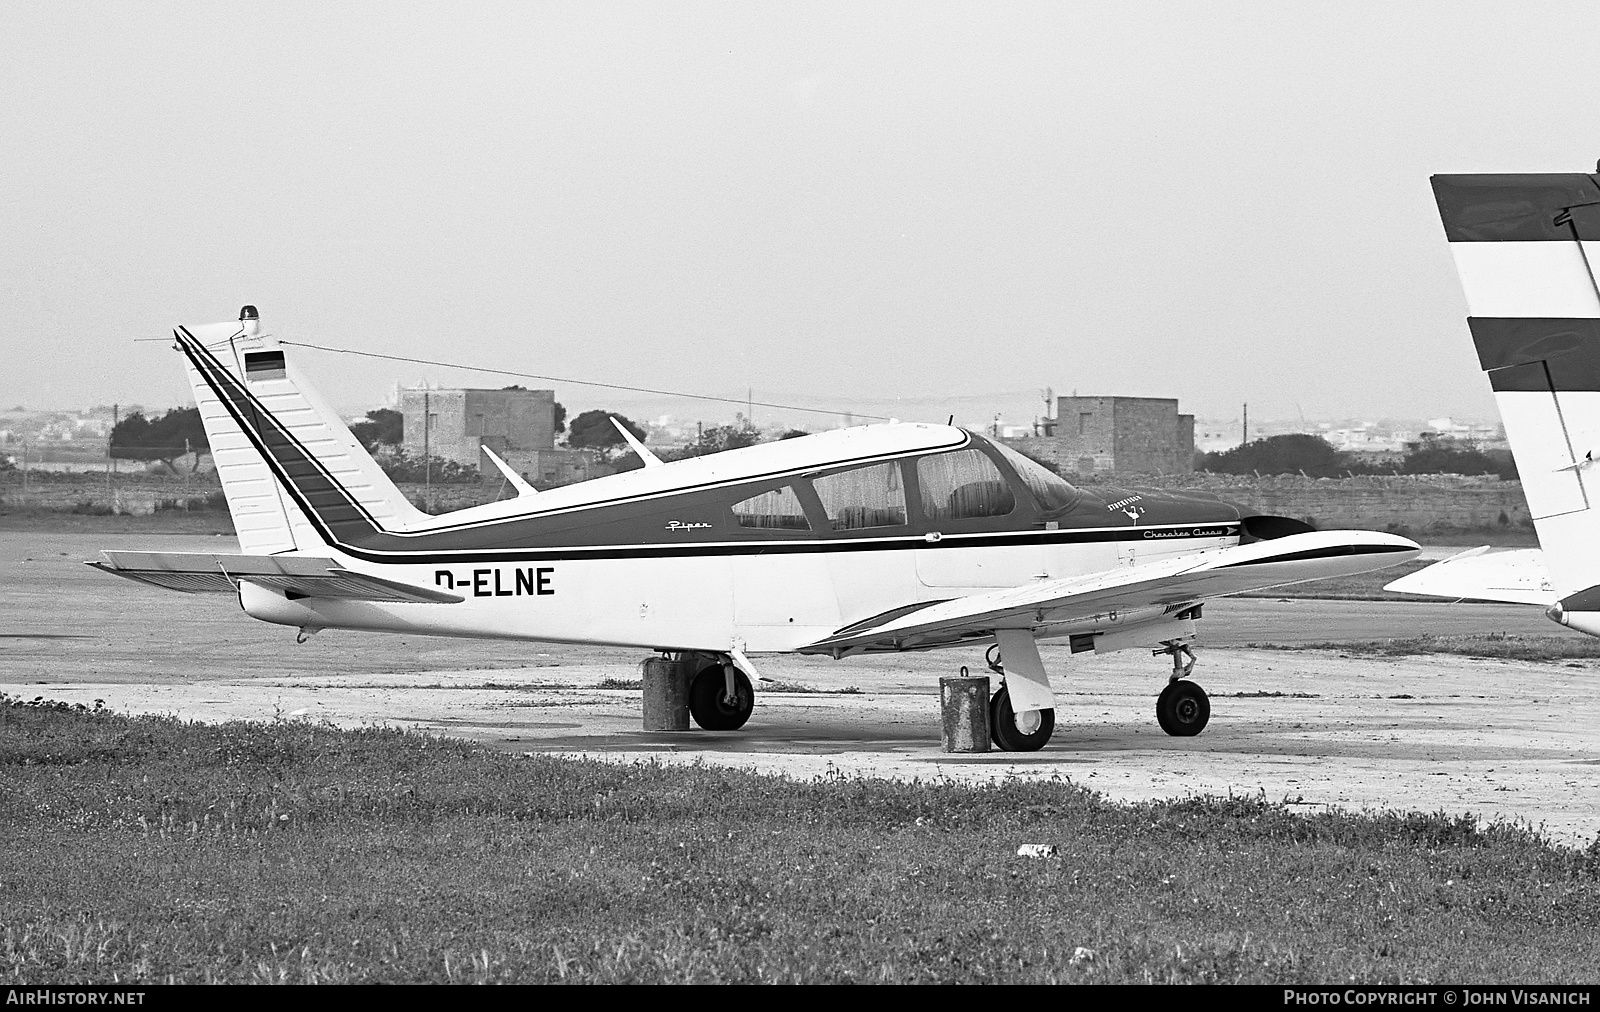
(1501, 739)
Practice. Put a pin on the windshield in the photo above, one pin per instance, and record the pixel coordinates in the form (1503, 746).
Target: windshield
(1052, 490)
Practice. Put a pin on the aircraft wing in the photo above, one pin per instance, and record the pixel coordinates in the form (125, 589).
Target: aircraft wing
(199, 573)
(1167, 587)
(1516, 577)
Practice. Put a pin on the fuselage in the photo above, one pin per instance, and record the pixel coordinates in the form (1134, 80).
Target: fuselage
(766, 552)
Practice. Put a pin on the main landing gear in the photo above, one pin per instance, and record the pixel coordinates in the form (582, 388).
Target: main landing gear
(1183, 707)
(721, 697)
(1018, 732)
(1011, 731)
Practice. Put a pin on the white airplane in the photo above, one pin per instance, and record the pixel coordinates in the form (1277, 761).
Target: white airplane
(876, 538)
(1526, 248)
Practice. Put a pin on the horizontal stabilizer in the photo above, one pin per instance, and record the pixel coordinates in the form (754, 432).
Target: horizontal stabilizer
(1518, 577)
(200, 573)
(1168, 585)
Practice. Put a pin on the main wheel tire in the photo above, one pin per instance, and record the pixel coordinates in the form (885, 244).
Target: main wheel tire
(1003, 729)
(1183, 709)
(708, 702)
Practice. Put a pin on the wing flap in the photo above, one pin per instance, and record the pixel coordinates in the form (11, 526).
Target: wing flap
(200, 573)
(1514, 577)
(1164, 587)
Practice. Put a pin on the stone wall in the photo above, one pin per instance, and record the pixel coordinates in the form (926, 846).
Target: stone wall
(139, 493)
(1045, 448)
(1414, 502)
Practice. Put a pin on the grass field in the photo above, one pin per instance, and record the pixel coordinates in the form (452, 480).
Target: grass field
(141, 848)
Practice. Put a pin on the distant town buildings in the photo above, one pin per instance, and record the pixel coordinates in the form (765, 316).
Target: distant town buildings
(1377, 441)
(74, 440)
(517, 425)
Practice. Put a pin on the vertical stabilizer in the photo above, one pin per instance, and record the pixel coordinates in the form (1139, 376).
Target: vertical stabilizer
(267, 518)
(1527, 248)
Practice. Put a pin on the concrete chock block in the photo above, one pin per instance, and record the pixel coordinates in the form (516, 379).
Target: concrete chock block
(666, 694)
(964, 702)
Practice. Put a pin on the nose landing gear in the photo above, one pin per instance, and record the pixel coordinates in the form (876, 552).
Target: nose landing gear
(1183, 708)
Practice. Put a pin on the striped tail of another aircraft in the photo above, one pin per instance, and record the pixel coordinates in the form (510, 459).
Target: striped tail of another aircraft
(1527, 248)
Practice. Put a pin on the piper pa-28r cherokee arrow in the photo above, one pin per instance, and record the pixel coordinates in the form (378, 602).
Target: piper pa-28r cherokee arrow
(875, 538)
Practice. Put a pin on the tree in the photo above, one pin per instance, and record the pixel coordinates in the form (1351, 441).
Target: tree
(721, 437)
(169, 437)
(593, 430)
(1293, 453)
(382, 427)
(1432, 455)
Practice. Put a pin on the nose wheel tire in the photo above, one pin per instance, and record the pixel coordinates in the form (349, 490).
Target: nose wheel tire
(1183, 709)
(1011, 734)
(709, 703)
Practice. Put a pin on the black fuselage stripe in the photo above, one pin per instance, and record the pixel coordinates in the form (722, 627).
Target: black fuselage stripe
(1335, 552)
(821, 545)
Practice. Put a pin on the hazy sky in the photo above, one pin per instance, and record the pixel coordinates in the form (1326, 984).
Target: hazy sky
(1216, 202)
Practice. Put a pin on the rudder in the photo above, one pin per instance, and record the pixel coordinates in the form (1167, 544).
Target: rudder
(1527, 247)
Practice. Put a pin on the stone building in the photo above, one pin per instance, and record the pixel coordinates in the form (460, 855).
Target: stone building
(1116, 436)
(518, 425)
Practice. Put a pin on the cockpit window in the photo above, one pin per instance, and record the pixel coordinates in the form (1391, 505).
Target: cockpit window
(1052, 491)
(776, 510)
(961, 484)
(871, 496)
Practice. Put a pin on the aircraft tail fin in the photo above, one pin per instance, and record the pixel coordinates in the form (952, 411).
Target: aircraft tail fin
(288, 464)
(1527, 248)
